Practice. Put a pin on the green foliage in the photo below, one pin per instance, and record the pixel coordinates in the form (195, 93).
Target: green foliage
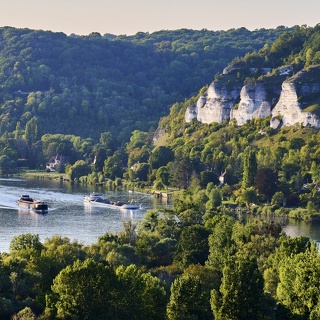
(7, 166)
(79, 169)
(53, 103)
(24, 314)
(298, 283)
(187, 299)
(193, 245)
(163, 175)
(160, 157)
(25, 242)
(266, 182)
(113, 167)
(246, 196)
(149, 298)
(215, 198)
(137, 139)
(241, 293)
(249, 168)
(221, 244)
(84, 291)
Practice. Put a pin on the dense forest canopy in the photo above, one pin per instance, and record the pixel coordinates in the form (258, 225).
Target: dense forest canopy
(86, 85)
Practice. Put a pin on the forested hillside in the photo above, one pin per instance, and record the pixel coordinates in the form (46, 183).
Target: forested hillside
(219, 252)
(86, 85)
(255, 163)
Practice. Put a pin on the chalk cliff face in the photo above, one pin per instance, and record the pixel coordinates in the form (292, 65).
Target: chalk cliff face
(219, 103)
(288, 112)
(253, 104)
(214, 105)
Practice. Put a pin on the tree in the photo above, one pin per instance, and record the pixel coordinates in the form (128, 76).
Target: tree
(148, 299)
(79, 169)
(299, 278)
(113, 167)
(86, 290)
(187, 299)
(140, 172)
(23, 280)
(286, 247)
(33, 131)
(160, 157)
(266, 182)
(163, 175)
(25, 314)
(106, 140)
(6, 165)
(221, 243)
(100, 155)
(182, 172)
(249, 168)
(246, 196)
(315, 171)
(241, 295)
(193, 245)
(25, 242)
(277, 198)
(206, 177)
(137, 139)
(215, 198)
(11, 153)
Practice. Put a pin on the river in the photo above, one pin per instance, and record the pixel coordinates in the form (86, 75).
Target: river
(69, 217)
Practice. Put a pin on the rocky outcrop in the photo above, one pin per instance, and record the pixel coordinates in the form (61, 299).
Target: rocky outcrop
(218, 104)
(288, 110)
(158, 134)
(253, 104)
(214, 105)
(291, 100)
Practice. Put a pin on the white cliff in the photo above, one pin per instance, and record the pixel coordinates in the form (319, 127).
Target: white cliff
(219, 102)
(214, 105)
(253, 104)
(287, 111)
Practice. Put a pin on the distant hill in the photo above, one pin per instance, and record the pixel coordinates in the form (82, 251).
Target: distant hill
(85, 85)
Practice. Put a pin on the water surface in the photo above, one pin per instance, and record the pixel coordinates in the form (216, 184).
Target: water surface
(68, 216)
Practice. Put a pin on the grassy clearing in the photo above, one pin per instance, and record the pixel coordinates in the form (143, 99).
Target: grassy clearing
(41, 174)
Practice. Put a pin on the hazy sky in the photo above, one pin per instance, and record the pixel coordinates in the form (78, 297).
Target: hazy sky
(130, 16)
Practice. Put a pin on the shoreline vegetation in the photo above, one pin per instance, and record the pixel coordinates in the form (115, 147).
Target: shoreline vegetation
(36, 174)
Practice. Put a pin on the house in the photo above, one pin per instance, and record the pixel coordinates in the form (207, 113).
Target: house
(56, 161)
(221, 178)
(135, 167)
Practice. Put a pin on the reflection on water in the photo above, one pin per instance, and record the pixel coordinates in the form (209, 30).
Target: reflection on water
(296, 228)
(67, 215)
(292, 227)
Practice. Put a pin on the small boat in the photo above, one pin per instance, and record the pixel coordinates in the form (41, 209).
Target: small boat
(98, 199)
(95, 198)
(130, 206)
(25, 201)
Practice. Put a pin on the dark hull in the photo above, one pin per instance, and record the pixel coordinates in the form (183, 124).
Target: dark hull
(37, 206)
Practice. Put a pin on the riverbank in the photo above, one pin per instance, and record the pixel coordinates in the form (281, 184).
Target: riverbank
(34, 174)
(41, 175)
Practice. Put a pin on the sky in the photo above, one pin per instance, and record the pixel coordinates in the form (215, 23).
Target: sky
(128, 17)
